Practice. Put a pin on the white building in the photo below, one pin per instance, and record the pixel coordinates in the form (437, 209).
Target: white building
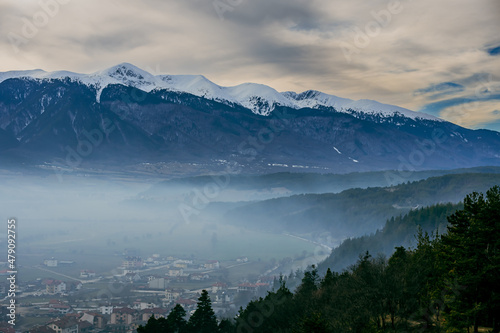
(106, 309)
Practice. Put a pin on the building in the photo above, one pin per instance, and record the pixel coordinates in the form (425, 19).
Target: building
(172, 294)
(50, 262)
(59, 306)
(36, 329)
(155, 312)
(143, 305)
(219, 286)
(132, 263)
(180, 265)
(55, 286)
(188, 304)
(247, 287)
(96, 319)
(64, 325)
(85, 327)
(212, 264)
(160, 283)
(73, 285)
(132, 277)
(106, 309)
(87, 274)
(123, 316)
(198, 277)
(175, 272)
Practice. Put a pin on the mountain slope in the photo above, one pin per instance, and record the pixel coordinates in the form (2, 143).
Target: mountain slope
(397, 231)
(355, 212)
(139, 120)
(259, 98)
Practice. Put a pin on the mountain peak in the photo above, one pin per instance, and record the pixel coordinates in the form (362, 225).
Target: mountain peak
(259, 98)
(125, 69)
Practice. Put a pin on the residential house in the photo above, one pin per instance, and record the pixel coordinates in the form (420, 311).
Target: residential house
(153, 277)
(221, 297)
(172, 294)
(182, 265)
(96, 319)
(87, 274)
(251, 287)
(155, 312)
(218, 287)
(133, 263)
(138, 305)
(85, 327)
(64, 325)
(188, 304)
(123, 316)
(175, 272)
(106, 309)
(59, 306)
(55, 286)
(212, 264)
(73, 285)
(50, 262)
(198, 277)
(132, 277)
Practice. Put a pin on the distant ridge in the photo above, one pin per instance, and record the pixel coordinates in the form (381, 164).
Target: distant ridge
(124, 117)
(259, 98)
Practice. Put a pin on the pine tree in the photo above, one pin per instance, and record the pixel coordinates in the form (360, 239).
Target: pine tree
(329, 279)
(154, 325)
(471, 253)
(313, 323)
(175, 319)
(203, 319)
(396, 285)
(226, 326)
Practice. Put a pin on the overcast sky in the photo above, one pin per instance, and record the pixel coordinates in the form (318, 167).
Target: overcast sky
(441, 57)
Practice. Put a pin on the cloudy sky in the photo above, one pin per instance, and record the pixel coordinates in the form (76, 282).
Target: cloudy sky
(441, 57)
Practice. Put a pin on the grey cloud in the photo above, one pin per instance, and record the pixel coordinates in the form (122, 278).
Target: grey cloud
(288, 44)
(478, 78)
(122, 41)
(441, 88)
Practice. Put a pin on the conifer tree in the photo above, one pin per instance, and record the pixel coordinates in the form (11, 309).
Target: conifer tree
(203, 319)
(471, 254)
(175, 319)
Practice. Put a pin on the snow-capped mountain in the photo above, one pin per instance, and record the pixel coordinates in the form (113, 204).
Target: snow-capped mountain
(259, 98)
(126, 116)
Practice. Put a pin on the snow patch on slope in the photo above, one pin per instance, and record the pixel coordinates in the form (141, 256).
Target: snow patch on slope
(259, 98)
(315, 99)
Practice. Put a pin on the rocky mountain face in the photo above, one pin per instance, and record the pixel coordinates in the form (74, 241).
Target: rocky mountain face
(122, 117)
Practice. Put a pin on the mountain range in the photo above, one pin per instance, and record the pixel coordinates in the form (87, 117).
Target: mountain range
(126, 117)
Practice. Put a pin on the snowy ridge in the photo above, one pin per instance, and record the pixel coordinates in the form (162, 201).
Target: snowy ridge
(314, 99)
(259, 98)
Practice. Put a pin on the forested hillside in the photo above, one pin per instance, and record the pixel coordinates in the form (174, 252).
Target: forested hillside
(356, 212)
(398, 231)
(445, 284)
